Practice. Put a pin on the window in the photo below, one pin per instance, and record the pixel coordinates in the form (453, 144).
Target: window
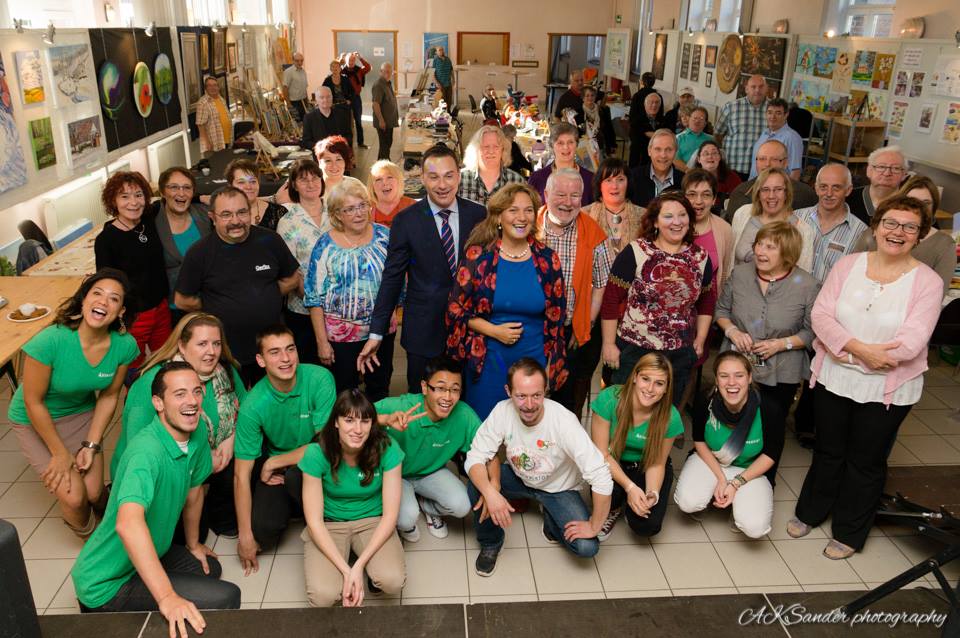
(867, 18)
(204, 12)
(729, 19)
(700, 11)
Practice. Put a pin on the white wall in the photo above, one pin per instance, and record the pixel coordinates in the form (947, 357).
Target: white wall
(805, 17)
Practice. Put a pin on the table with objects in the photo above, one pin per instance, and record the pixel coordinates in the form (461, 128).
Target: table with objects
(76, 259)
(39, 291)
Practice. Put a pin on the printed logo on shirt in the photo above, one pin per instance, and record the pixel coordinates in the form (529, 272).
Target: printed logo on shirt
(105, 375)
(305, 416)
(444, 444)
(262, 267)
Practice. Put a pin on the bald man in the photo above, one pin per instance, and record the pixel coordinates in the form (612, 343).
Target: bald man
(294, 85)
(740, 124)
(325, 120)
(572, 97)
(772, 153)
(886, 169)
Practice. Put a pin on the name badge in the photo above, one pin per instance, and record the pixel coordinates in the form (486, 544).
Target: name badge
(837, 247)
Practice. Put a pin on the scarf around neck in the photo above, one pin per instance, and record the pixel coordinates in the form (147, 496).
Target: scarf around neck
(740, 422)
(225, 395)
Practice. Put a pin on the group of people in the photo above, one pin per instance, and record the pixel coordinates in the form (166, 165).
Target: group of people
(257, 342)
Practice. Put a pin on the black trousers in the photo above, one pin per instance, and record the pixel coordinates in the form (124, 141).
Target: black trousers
(303, 336)
(581, 363)
(344, 368)
(803, 421)
(219, 513)
(274, 505)
(849, 465)
(250, 373)
(206, 591)
(356, 105)
(775, 402)
(650, 525)
(385, 141)
(416, 368)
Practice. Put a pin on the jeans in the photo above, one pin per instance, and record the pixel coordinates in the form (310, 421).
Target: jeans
(206, 591)
(558, 509)
(682, 360)
(274, 505)
(443, 495)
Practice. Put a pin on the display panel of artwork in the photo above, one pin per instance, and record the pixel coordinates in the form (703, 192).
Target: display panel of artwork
(13, 168)
(41, 142)
(72, 68)
(30, 70)
(85, 140)
(659, 55)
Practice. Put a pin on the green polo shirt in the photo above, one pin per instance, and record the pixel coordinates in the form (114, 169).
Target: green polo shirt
(138, 410)
(716, 434)
(156, 474)
(688, 142)
(73, 381)
(288, 420)
(344, 497)
(605, 405)
(427, 446)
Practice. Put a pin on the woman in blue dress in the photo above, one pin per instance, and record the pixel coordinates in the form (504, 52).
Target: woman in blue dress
(508, 300)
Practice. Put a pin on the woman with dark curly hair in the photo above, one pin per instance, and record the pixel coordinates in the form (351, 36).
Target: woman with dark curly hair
(508, 300)
(56, 414)
(661, 294)
(129, 242)
(351, 498)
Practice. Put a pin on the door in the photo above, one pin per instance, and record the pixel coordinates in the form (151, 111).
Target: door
(376, 47)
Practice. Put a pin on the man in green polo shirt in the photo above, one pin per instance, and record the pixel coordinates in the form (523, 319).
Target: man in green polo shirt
(431, 428)
(129, 563)
(277, 419)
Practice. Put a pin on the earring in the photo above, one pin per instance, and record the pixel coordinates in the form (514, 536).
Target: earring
(499, 228)
(123, 326)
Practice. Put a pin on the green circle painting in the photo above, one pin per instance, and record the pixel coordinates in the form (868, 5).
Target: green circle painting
(163, 78)
(112, 97)
(142, 89)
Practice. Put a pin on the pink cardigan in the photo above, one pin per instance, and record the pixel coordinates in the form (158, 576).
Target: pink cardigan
(914, 335)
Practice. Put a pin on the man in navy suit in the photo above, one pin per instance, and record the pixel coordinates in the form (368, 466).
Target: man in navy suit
(426, 246)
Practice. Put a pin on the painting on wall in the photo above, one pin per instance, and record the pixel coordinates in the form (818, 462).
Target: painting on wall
(231, 57)
(695, 63)
(763, 56)
(13, 168)
(249, 48)
(708, 80)
(191, 68)
(85, 139)
(72, 68)
(685, 61)
(112, 93)
(204, 52)
(41, 141)
(863, 64)
(824, 61)
(163, 78)
(883, 71)
(806, 58)
(842, 73)
(728, 63)
(30, 70)
(710, 57)
(219, 51)
(659, 55)
(928, 112)
(431, 42)
(142, 89)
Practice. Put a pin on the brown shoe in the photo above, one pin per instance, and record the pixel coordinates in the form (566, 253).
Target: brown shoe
(797, 528)
(835, 550)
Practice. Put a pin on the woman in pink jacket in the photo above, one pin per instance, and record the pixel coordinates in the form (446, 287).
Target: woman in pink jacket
(873, 320)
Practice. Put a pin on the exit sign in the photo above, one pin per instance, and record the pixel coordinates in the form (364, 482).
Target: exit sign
(619, 18)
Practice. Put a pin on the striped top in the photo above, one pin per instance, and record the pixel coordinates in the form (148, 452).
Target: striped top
(835, 243)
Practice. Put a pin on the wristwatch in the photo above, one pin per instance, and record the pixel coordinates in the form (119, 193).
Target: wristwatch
(96, 447)
(788, 343)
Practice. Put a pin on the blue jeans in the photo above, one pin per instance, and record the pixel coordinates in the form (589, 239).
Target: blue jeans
(443, 495)
(558, 509)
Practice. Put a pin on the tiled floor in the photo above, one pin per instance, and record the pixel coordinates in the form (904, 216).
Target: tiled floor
(688, 557)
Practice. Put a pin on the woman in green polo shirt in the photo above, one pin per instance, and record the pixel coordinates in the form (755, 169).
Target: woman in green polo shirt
(635, 424)
(57, 414)
(734, 448)
(351, 497)
(199, 340)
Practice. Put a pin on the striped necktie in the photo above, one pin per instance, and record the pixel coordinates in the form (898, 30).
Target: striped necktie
(446, 237)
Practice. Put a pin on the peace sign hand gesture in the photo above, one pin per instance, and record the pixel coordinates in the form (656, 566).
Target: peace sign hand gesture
(400, 419)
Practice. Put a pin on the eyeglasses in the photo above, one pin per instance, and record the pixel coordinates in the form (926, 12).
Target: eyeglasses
(179, 188)
(884, 168)
(453, 391)
(774, 190)
(691, 195)
(228, 215)
(909, 228)
(359, 209)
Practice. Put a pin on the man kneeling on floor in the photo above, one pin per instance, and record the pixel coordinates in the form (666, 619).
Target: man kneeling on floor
(548, 452)
(129, 563)
(431, 428)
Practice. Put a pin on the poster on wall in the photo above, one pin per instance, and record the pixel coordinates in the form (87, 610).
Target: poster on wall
(85, 140)
(825, 58)
(946, 76)
(883, 70)
(685, 61)
(72, 69)
(432, 42)
(30, 70)
(863, 64)
(13, 168)
(916, 84)
(842, 73)
(898, 114)
(616, 55)
(41, 141)
(928, 112)
(710, 57)
(659, 55)
(763, 56)
(901, 83)
(806, 58)
(695, 63)
(951, 125)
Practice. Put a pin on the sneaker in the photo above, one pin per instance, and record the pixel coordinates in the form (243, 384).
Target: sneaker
(608, 524)
(835, 550)
(435, 524)
(547, 536)
(411, 536)
(487, 561)
(797, 528)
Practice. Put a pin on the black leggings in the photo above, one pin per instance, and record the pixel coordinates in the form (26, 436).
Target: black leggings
(344, 367)
(651, 524)
(206, 591)
(274, 505)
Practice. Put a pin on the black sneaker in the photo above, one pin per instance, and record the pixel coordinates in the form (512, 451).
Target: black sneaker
(547, 536)
(373, 589)
(487, 561)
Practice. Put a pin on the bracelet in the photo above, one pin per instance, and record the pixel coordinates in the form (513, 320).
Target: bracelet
(739, 481)
(655, 495)
(96, 447)
(726, 333)
(850, 358)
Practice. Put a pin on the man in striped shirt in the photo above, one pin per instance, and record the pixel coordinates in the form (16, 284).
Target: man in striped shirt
(740, 123)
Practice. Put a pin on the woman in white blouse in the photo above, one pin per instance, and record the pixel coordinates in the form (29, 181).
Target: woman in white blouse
(873, 320)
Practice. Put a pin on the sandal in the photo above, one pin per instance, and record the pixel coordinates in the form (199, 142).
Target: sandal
(797, 528)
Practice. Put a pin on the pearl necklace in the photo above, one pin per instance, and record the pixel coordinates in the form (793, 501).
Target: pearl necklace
(522, 254)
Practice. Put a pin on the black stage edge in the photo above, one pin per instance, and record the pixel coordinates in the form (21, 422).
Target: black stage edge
(695, 616)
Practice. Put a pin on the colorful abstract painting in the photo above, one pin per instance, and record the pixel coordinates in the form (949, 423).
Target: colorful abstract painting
(30, 70)
(163, 78)
(142, 89)
(824, 60)
(863, 65)
(13, 168)
(41, 141)
(112, 95)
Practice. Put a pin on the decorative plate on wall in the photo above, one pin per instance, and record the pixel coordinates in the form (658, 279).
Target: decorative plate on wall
(163, 78)
(728, 65)
(142, 89)
(112, 97)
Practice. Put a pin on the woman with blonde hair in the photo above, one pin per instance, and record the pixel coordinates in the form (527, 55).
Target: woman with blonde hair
(198, 338)
(343, 276)
(634, 425)
(385, 184)
(485, 162)
(507, 301)
(772, 195)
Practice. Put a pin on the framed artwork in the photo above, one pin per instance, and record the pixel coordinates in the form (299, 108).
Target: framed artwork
(763, 56)
(204, 52)
(219, 51)
(30, 69)
(231, 57)
(13, 168)
(191, 68)
(928, 112)
(659, 55)
(41, 142)
(728, 63)
(685, 61)
(73, 75)
(85, 139)
(143, 89)
(222, 83)
(695, 63)
(249, 48)
(710, 57)
(163, 78)
(112, 93)
(708, 80)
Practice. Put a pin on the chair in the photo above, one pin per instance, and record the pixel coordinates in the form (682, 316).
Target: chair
(29, 230)
(474, 108)
(622, 134)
